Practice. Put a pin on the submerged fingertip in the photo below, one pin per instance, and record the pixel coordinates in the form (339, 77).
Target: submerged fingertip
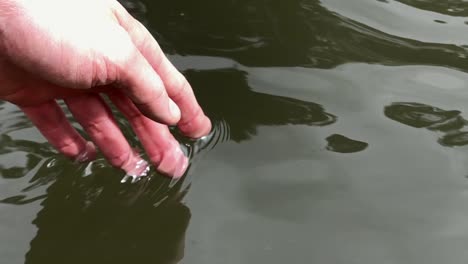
(197, 128)
(87, 154)
(139, 169)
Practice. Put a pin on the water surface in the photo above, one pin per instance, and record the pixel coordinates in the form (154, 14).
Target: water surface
(340, 137)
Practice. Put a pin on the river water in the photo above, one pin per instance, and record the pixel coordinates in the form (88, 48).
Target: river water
(339, 138)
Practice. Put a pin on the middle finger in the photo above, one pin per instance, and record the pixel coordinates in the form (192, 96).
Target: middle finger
(95, 117)
(162, 148)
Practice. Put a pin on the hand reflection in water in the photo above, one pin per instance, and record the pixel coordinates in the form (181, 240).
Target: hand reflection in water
(95, 219)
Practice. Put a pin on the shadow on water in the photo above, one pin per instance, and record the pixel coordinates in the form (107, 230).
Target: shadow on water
(226, 96)
(95, 219)
(88, 216)
(448, 123)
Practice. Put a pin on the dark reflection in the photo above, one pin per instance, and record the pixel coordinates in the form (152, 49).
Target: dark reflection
(225, 95)
(33, 153)
(12, 119)
(287, 33)
(96, 219)
(449, 122)
(87, 215)
(440, 21)
(342, 144)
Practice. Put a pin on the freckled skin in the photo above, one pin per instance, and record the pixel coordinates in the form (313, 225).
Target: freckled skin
(49, 52)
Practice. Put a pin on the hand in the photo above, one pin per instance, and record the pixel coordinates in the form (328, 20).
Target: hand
(76, 50)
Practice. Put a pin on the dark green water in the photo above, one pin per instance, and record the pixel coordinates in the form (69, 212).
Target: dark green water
(339, 138)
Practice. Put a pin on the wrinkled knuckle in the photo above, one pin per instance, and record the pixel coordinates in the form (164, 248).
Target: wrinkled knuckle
(68, 149)
(95, 126)
(191, 118)
(180, 86)
(134, 117)
(156, 158)
(137, 121)
(119, 160)
(103, 72)
(154, 96)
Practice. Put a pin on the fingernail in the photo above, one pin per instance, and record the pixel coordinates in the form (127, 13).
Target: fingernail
(174, 109)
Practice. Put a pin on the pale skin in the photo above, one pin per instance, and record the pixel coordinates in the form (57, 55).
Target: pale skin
(79, 50)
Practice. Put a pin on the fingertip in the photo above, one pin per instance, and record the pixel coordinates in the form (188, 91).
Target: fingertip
(89, 153)
(196, 128)
(174, 163)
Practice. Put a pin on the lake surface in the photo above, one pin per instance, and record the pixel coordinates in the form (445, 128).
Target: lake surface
(341, 136)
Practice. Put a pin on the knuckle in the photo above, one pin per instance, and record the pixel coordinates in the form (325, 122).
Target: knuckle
(189, 120)
(119, 160)
(156, 158)
(153, 97)
(95, 126)
(70, 147)
(179, 86)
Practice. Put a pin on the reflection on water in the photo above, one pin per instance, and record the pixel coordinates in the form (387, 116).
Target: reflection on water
(342, 144)
(226, 96)
(449, 123)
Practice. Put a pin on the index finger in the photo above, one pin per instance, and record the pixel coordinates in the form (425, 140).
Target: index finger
(193, 123)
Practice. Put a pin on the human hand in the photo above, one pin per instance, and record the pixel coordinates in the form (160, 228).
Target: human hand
(78, 49)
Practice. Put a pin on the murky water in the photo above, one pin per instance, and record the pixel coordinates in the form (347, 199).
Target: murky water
(341, 136)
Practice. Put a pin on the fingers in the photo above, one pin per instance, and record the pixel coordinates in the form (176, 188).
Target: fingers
(53, 124)
(147, 91)
(193, 122)
(97, 120)
(162, 148)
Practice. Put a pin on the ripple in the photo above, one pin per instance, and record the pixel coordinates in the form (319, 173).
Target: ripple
(41, 169)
